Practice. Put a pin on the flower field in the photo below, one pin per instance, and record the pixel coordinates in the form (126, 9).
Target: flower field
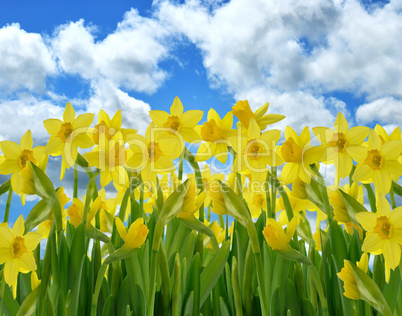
(254, 229)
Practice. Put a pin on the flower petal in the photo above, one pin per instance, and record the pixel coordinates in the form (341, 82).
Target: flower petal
(368, 220)
(362, 172)
(372, 242)
(83, 121)
(159, 117)
(18, 228)
(356, 135)
(358, 153)
(191, 118)
(177, 107)
(9, 166)
(69, 113)
(120, 228)
(31, 240)
(11, 269)
(392, 253)
(27, 261)
(391, 150)
(374, 140)
(254, 131)
(26, 140)
(290, 172)
(341, 125)
(52, 126)
(10, 149)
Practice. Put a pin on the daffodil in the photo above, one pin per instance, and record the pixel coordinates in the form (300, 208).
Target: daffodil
(218, 231)
(107, 210)
(298, 155)
(76, 211)
(45, 226)
(244, 113)
(256, 201)
(16, 251)
(16, 158)
(340, 210)
(256, 151)
(67, 135)
(109, 127)
(384, 232)
(347, 275)
(136, 235)
(276, 236)
(150, 155)
(379, 164)
(191, 202)
(342, 145)
(215, 132)
(177, 125)
(109, 157)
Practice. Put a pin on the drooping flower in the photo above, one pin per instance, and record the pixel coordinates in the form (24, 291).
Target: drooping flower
(177, 125)
(16, 158)
(136, 235)
(244, 113)
(276, 236)
(342, 145)
(67, 135)
(348, 277)
(379, 164)
(16, 251)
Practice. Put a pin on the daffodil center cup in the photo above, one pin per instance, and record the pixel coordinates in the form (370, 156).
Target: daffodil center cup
(210, 131)
(254, 149)
(290, 151)
(374, 159)
(339, 142)
(102, 128)
(384, 228)
(65, 131)
(25, 155)
(173, 122)
(154, 152)
(18, 247)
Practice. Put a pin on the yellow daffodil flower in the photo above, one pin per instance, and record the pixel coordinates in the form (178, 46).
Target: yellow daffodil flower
(342, 145)
(67, 135)
(191, 202)
(384, 232)
(136, 235)
(16, 158)
(256, 201)
(256, 151)
(244, 113)
(379, 164)
(348, 277)
(16, 251)
(177, 125)
(276, 236)
(110, 157)
(298, 155)
(218, 231)
(109, 127)
(215, 132)
(76, 211)
(150, 155)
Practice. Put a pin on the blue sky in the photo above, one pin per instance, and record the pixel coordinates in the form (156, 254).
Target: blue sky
(308, 59)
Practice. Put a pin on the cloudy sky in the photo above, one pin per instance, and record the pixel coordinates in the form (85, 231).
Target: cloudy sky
(308, 59)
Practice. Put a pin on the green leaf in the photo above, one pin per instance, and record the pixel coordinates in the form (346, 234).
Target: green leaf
(392, 288)
(119, 254)
(173, 204)
(395, 186)
(193, 282)
(293, 255)
(370, 292)
(96, 234)
(338, 244)
(38, 214)
(5, 187)
(28, 306)
(195, 224)
(352, 206)
(77, 251)
(75, 293)
(235, 205)
(189, 306)
(213, 270)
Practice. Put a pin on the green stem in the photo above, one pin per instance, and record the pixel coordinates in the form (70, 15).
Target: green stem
(2, 287)
(392, 197)
(176, 287)
(371, 197)
(289, 214)
(151, 294)
(320, 290)
(75, 192)
(98, 285)
(209, 213)
(200, 239)
(273, 191)
(324, 193)
(8, 204)
(181, 158)
(267, 196)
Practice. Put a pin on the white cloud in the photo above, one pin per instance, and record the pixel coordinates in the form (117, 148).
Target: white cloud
(109, 98)
(25, 61)
(384, 110)
(129, 57)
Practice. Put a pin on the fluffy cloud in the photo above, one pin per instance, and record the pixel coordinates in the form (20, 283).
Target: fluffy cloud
(292, 52)
(128, 57)
(25, 60)
(383, 110)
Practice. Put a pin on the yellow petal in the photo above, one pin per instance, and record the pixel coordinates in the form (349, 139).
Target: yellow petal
(261, 111)
(83, 121)
(356, 135)
(269, 119)
(304, 137)
(52, 126)
(368, 220)
(290, 172)
(372, 242)
(6, 236)
(10, 149)
(31, 240)
(391, 150)
(221, 152)
(343, 165)
(362, 172)
(105, 178)
(69, 113)
(271, 137)
(163, 165)
(213, 115)
(18, 228)
(120, 228)
(358, 153)
(11, 269)
(83, 140)
(26, 140)
(27, 262)
(254, 131)
(191, 118)
(290, 133)
(205, 151)
(5, 255)
(177, 107)
(392, 253)
(382, 181)
(190, 135)
(341, 125)
(9, 166)
(116, 120)
(374, 140)
(55, 145)
(393, 167)
(159, 117)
